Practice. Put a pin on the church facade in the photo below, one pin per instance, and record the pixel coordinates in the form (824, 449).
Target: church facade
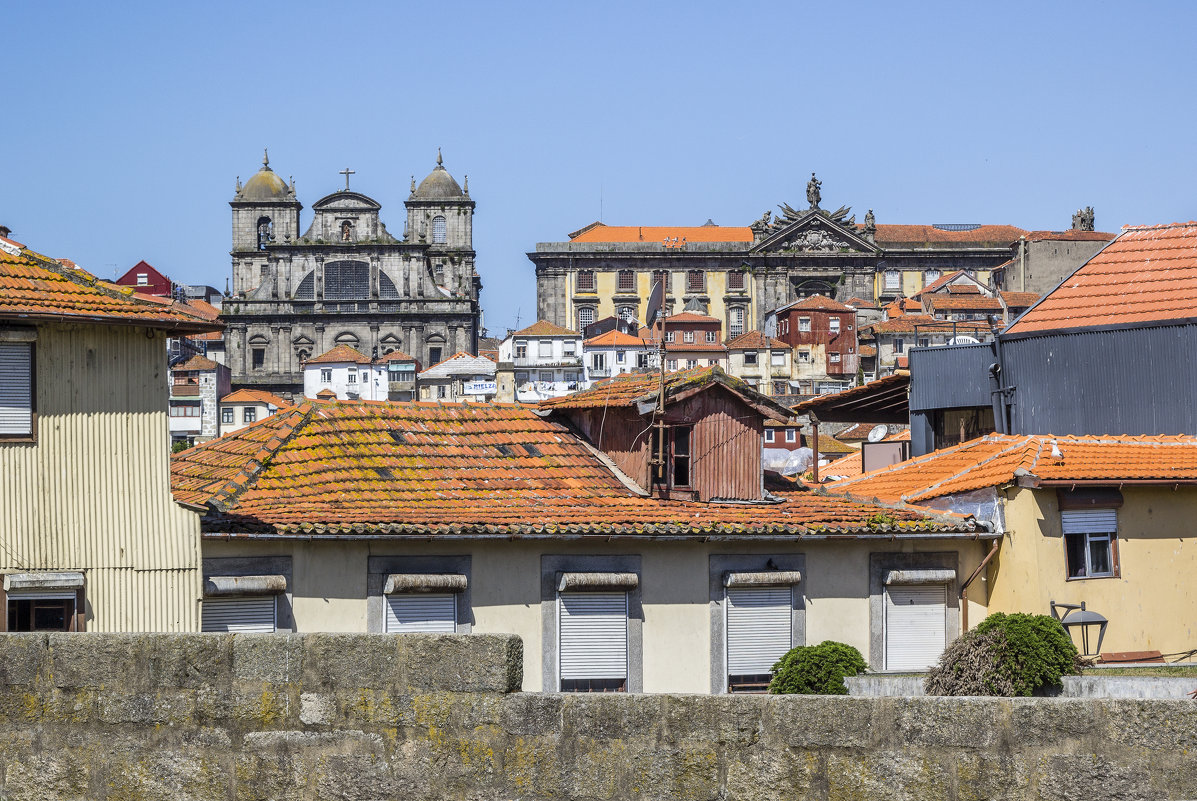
(739, 274)
(347, 280)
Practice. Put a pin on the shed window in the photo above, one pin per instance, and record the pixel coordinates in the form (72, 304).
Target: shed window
(16, 390)
(438, 230)
(791, 435)
(768, 435)
(1090, 542)
(42, 611)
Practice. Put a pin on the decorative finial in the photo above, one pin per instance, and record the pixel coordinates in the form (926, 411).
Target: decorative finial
(265, 159)
(292, 177)
(439, 161)
(466, 190)
(413, 184)
(238, 183)
(226, 286)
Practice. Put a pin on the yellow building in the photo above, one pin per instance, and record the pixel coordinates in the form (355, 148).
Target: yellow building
(1100, 520)
(90, 537)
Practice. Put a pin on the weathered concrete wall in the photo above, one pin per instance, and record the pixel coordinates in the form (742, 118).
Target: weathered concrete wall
(366, 717)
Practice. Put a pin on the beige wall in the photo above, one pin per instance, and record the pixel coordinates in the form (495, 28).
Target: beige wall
(605, 287)
(1152, 606)
(329, 591)
(93, 493)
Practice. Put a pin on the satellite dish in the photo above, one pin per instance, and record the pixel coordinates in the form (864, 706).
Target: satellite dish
(878, 433)
(964, 339)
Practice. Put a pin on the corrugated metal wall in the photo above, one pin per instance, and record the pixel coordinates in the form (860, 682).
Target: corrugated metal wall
(950, 376)
(728, 436)
(94, 493)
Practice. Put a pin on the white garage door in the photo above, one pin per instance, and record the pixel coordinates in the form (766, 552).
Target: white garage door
(759, 624)
(434, 613)
(249, 615)
(593, 628)
(915, 626)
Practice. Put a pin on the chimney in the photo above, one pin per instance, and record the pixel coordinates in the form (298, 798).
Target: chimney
(5, 231)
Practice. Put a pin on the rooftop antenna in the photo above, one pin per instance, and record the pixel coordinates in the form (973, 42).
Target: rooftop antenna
(517, 318)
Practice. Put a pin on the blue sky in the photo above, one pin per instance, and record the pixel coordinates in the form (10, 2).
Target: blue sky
(127, 124)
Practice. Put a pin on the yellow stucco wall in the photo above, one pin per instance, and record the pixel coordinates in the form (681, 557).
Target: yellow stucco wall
(329, 591)
(1151, 606)
(606, 281)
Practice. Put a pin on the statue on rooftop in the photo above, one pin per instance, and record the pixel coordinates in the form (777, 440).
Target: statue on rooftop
(813, 195)
(870, 222)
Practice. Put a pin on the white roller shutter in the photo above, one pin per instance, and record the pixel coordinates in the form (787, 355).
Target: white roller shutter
(16, 384)
(240, 615)
(759, 626)
(1089, 521)
(593, 630)
(915, 626)
(434, 613)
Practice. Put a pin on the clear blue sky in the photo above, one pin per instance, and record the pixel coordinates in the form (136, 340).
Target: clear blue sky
(126, 124)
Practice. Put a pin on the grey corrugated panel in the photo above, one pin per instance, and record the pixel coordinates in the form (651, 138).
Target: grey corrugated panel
(950, 376)
(1129, 381)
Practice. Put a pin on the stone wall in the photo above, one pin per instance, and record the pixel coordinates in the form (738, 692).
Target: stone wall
(371, 717)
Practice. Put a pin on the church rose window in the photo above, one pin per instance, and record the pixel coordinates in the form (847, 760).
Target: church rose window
(438, 230)
(346, 280)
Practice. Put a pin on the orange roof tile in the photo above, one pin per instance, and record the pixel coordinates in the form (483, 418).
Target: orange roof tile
(756, 340)
(34, 287)
(1148, 274)
(907, 323)
(201, 308)
(852, 465)
(868, 350)
(941, 282)
(256, 396)
(543, 328)
(993, 460)
(689, 317)
(1020, 299)
(656, 233)
(861, 303)
(633, 388)
(818, 303)
(340, 354)
(963, 289)
(929, 235)
(615, 338)
(973, 302)
(424, 469)
(196, 362)
(396, 356)
(1070, 236)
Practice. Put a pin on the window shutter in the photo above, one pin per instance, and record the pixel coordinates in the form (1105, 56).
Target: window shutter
(759, 625)
(434, 613)
(239, 615)
(593, 630)
(915, 626)
(1089, 521)
(16, 384)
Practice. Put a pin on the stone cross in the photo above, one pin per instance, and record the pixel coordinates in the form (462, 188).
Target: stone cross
(347, 172)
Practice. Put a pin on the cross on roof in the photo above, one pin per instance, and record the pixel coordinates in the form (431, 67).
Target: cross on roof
(347, 172)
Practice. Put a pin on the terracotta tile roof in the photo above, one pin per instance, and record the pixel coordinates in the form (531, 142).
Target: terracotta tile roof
(941, 282)
(861, 303)
(341, 354)
(34, 287)
(1148, 274)
(196, 362)
(256, 396)
(425, 469)
(755, 340)
(689, 317)
(930, 236)
(852, 465)
(906, 325)
(1070, 236)
(653, 233)
(973, 302)
(396, 356)
(818, 303)
(992, 461)
(902, 306)
(211, 336)
(460, 363)
(201, 308)
(868, 350)
(616, 338)
(695, 347)
(543, 328)
(1020, 299)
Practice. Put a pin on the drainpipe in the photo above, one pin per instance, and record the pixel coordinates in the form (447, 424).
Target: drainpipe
(993, 549)
(1022, 264)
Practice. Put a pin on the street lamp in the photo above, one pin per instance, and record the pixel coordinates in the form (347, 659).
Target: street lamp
(1076, 616)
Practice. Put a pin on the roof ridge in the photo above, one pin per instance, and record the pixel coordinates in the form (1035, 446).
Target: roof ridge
(926, 492)
(223, 499)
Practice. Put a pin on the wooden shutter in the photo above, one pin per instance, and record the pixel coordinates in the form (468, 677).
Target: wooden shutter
(1089, 521)
(239, 615)
(434, 613)
(16, 388)
(593, 633)
(759, 626)
(915, 625)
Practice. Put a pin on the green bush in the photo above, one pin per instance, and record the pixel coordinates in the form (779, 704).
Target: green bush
(816, 669)
(1006, 655)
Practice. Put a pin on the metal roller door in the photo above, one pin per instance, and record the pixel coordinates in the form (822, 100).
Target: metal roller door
(434, 613)
(248, 615)
(593, 630)
(915, 626)
(759, 627)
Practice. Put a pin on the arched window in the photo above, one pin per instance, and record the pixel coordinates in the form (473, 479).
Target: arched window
(627, 313)
(307, 287)
(265, 232)
(346, 280)
(438, 230)
(585, 317)
(386, 287)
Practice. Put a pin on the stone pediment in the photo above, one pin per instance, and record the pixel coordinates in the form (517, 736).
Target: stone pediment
(346, 201)
(815, 232)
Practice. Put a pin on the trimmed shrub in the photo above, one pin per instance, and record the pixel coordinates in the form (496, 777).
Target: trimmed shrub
(1006, 655)
(816, 669)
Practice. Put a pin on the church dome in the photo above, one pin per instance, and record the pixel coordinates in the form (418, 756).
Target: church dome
(439, 184)
(265, 186)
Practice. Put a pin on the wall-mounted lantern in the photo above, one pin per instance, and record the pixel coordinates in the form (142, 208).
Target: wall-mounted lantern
(1077, 616)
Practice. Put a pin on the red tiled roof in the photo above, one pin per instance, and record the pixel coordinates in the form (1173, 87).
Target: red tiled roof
(34, 287)
(941, 282)
(689, 317)
(656, 233)
(632, 388)
(861, 303)
(902, 306)
(543, 328)
(818, 303)
(196, 362)
(756, 340)
(424, 469)
(962, 289)
(906, 324)
(339, 355)
(992, 461)
(256, 396)
(1070, 236)
(852, 465)
(202, 308)
(1148, 274)
(396, 356)
(929, 235)
(1020, 299)
(973, 302)
(615, 338)
(868, 350)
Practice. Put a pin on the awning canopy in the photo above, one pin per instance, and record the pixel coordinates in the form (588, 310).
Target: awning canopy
(885, 400)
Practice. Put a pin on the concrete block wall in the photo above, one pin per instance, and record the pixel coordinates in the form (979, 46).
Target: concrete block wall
(366, 717)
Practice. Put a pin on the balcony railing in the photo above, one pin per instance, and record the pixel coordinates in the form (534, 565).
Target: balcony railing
(599, 372)
(547, 361)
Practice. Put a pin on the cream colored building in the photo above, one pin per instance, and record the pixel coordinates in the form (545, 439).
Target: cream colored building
(90, 537)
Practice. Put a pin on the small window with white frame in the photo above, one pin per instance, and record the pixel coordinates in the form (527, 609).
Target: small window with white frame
(833, 324)
(687, 336)
(778, 358)
(544, 349)
(791, 435)
(326, 376)
(893, 280)
(711, 336)
(769, 435)
(804, 324)
(585, 316)
(1090, 542)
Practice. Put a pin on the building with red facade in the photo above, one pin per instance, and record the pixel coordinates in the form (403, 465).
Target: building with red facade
(823, 334)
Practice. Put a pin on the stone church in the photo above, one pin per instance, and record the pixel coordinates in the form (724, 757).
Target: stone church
(346, 280)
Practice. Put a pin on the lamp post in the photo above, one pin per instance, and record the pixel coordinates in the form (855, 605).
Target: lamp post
(1077, 616)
